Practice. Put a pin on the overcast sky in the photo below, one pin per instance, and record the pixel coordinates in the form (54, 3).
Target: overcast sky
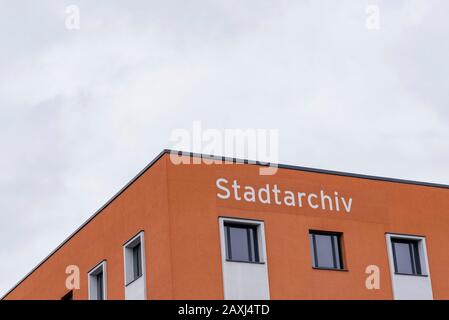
(83, 110)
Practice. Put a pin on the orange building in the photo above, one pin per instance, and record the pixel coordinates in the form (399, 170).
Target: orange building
(198, 230)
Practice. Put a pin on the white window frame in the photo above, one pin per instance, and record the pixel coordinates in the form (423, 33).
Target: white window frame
(92, 284)
(260, 237)
(128, 258)
(423, 261)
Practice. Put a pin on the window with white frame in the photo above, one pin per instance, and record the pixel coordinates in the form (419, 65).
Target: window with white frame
(409, 267)
(97, 282)
(134, 263)
(408, 255)
(242, 241)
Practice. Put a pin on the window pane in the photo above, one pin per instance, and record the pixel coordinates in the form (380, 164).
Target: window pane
(415, 256)
(324, 251)
(336, 252)
(406, 258)
(403, 258)
(137, 261)
(241, 242)
(100, 286)
(252, 233)
(312, 250)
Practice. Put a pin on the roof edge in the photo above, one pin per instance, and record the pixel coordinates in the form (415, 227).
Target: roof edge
(313, 170)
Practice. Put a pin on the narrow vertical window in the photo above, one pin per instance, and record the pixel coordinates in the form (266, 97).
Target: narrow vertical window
(97, 282)
(137, 260)
(134, 263)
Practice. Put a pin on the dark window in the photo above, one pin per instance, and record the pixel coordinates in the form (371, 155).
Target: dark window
(137, 261)
(241, 242)
(406, 256)
(99, 280)
(326, 250)
(68, 296)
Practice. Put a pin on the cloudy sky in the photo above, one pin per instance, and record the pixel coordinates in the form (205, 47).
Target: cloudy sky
(83, 110)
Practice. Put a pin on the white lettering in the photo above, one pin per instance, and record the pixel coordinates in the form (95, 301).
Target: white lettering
(228, 193)
(250, 194)
(236, 188)
(266, 191)
(309, 200)
(337, 205)
(276, 192)
(323, 199)
(288, 198)
(300, 196)
(347, 205)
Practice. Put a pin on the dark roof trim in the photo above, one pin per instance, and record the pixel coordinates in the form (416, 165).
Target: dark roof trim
(235, 160)
(314, 170)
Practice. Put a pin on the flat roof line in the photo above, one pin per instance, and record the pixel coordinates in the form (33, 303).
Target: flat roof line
(229, 159)
(313, 170)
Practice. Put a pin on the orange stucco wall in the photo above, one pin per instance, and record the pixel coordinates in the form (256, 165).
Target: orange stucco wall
(178, 209)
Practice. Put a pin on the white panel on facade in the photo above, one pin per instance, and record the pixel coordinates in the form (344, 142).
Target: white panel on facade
(405, 286)
(245, 280)
(97, 287)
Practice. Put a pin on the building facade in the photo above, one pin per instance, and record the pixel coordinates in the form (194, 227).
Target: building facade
(201, 230)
